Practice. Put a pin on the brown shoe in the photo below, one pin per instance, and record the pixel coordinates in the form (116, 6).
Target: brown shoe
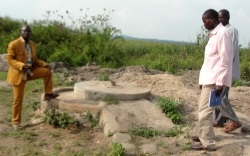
(50, 96)
(195, 138)
(231, 126)
(200, 147)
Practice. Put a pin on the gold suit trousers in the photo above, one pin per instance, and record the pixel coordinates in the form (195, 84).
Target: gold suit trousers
(18, 91)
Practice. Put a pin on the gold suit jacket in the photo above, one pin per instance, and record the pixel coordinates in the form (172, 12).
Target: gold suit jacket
(16, 58)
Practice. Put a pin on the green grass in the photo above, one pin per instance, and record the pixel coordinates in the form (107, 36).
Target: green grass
(27, 135)
(175, 131)
(186, 146)
(238, 83)
(3, 75)
(145, 132)
(111, 101)
(151, 133)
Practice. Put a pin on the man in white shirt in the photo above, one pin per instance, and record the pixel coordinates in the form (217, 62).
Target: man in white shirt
(215, 74)
(225, 112)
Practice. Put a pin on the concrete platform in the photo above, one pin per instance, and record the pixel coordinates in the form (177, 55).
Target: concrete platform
(133, 110)
(97, 90)
(67, 102)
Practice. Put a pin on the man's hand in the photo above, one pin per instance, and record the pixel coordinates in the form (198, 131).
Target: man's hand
(27, 66)
(218, 90)
(48, 66)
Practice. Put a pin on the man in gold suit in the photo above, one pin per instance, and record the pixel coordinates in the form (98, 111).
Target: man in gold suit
(21, 57)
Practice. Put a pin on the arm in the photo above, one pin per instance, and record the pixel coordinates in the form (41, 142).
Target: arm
(225, 50)
(14, 58)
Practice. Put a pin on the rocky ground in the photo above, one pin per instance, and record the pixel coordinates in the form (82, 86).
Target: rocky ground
(182, 87)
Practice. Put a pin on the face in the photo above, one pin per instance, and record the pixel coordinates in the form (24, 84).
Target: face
(223, 19)
(26, 32)
(208, 22)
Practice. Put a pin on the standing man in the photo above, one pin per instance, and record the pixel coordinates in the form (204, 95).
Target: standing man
(21, 56)
(225, 111)
(215, 74)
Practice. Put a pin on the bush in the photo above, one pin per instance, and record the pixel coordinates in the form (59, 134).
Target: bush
(173, 108)
(117, 150)
(60, 120)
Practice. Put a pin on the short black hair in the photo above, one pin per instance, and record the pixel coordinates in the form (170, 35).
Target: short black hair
(225, 12)
(211, 13)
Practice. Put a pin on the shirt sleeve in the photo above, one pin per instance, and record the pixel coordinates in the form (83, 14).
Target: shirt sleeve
(225, 50)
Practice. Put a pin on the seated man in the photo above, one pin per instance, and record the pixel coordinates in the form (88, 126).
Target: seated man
(21, 56)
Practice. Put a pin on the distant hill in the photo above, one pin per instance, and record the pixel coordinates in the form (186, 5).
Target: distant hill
(156, 40)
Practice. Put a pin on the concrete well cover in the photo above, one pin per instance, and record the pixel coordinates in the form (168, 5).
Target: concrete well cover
(96, 90)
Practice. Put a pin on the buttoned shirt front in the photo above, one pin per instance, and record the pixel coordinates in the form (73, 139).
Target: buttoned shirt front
(218, 58)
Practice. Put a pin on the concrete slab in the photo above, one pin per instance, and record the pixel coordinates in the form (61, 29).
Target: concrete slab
(66, 101)
(112, 118)
(97, 90)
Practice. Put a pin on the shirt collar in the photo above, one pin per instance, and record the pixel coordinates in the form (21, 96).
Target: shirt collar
(228, 25)
(216, 29)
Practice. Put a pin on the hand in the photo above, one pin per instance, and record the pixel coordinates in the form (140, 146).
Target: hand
(27, 66)
(48, 66)
(218, 90)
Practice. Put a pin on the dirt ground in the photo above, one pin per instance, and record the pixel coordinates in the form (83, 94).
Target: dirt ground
(93, 141)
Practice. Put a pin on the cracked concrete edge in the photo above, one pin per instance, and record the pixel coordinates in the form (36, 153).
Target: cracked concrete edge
(108, 121)
(62, 105)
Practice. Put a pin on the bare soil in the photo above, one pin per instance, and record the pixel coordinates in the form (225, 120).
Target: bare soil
(56, 141)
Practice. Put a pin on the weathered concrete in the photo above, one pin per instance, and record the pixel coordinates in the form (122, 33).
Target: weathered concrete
(67, 101)
(121, 137)
(97, 90)
(148, 148)
(108, 122)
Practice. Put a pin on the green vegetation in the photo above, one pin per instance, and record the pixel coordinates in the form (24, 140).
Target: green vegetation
(103, 76)
(27, 135)
(238, 83)
(34, 105)
(3, 75)
(93, 120)
(94, 39)
(173, 108)
(117, 150)
(186, 146)
(150, 132)
(111, 101)
(110, 134)
(62, 120)
(175, 131)
(145, 132)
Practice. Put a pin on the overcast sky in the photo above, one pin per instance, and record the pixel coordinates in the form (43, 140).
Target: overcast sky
(178, 20)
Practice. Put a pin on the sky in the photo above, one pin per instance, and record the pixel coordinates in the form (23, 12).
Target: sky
(178, 20)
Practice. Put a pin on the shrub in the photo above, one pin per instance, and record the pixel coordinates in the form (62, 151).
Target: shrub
(60, 120)
(173, 108)
(117, 150)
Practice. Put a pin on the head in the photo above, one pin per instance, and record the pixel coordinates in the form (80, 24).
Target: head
(26, 32)
(210, 19)
(224, 16)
